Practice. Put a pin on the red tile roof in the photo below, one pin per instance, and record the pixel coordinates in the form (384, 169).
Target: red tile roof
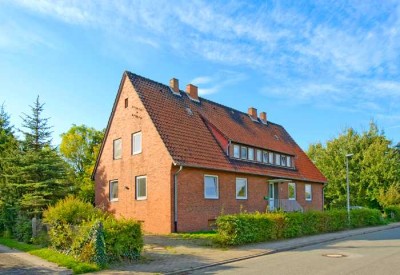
(181, 124)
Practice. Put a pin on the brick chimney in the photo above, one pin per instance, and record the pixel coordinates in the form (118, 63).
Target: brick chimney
(192, 91)
(263, 117)
(252, 113)
(174, 84)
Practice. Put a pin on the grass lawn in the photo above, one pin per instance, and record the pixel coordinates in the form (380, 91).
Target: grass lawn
(51, 255)
(202, 235)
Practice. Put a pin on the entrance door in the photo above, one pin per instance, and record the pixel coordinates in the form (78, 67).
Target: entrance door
(271, 196)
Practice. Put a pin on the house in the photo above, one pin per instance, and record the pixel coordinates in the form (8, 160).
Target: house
(176, 161)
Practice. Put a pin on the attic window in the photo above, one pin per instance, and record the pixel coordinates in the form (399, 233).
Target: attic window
(276, 137)
(189, 111)
(126, 102)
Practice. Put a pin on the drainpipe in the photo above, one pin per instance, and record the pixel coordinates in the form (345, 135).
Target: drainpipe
(176, 199)
(323, 195)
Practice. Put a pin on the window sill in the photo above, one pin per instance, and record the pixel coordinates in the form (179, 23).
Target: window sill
(241, 198)
(141, 199)
(136, 153)
(114, 200)
(209, 198)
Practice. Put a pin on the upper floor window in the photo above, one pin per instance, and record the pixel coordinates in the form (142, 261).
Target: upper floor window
(265, 157)
(259, 155)
(236, 151)
(277, 159)
(271, 157)
(141, 188)
(113, 190)
(243, 152)
(289, 161)
(308, 192)
(292, 191)
(241, 188)
(283, 160)
(117, 148)
(251, 154)
(136, 143)
(210, 187)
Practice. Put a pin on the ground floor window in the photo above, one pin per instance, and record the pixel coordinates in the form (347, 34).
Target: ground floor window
(308, 192)
(292, 191)
(141, 188)
(241, 188)
(114, 190)
(210, 187)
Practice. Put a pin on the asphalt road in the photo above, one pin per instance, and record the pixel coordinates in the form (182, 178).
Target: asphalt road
(373, 253)
(14, 262)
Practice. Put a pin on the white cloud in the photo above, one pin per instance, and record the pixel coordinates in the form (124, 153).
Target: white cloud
(221, 80)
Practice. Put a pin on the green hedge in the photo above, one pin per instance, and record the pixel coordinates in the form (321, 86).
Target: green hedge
(392, 213)
(79, 229)
(245, 228)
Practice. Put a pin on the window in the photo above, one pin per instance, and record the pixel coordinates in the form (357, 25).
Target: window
(114, 190)
(283, 159)
(241, 189)
(236, 151)
(308, 192)
(271, 157)
(243, 152)
(141, 188)
(251, 154)
(126, 103)
(210, 187)
(117, 148)
(259, 155)
(265, 157)
(289, 161)
(277, 159)
(136, 143)
(292, 191)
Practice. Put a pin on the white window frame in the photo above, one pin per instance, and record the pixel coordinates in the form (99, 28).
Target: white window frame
(245, 184)
(111, 182)
(265, 153)
(308, 192)
(217, 191)
(289, 161)
(259, 155)
(249, 149)
(114, 147)
(278, 159)
(247, 152)
(294, 191)
(141, 198)
(270, 157)
(138, 150)
(236, 149)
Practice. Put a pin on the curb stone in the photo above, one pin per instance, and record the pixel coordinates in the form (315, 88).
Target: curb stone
(342, 235)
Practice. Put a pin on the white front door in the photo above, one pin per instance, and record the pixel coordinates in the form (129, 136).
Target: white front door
(271, 196)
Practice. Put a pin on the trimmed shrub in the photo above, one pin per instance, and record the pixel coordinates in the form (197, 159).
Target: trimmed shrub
(392, 213)
(237, 229)
(123, 239)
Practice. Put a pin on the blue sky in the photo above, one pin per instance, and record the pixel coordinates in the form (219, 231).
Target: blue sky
(315, 67)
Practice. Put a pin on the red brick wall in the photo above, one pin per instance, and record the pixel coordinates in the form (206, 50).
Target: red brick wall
(154, 162)
(194, 210)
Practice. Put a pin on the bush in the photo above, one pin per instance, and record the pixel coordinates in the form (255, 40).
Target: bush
(23, 229)
(392, 213)
(123, 239)
(244, 228)
(79, 229)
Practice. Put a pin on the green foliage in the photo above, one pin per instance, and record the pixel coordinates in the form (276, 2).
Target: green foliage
(245, 228)
(23, 229)
(80, 147)
(393, 213)
(77, 228)
(124, 239)
(374, 166)
(51, 255)
(391, 196)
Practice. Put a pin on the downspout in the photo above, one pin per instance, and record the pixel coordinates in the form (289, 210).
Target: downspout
(323, 195)
(176, 199)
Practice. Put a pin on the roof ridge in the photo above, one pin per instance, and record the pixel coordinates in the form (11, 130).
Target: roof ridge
(202, 98)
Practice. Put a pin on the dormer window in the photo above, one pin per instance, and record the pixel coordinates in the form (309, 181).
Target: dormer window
(258, 155)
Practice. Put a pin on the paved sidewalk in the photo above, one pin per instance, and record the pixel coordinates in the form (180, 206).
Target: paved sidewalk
(13, 261)
(171, 255)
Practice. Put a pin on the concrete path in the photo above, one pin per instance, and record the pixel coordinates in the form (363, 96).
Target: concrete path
(169, 255)
(16, 262)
